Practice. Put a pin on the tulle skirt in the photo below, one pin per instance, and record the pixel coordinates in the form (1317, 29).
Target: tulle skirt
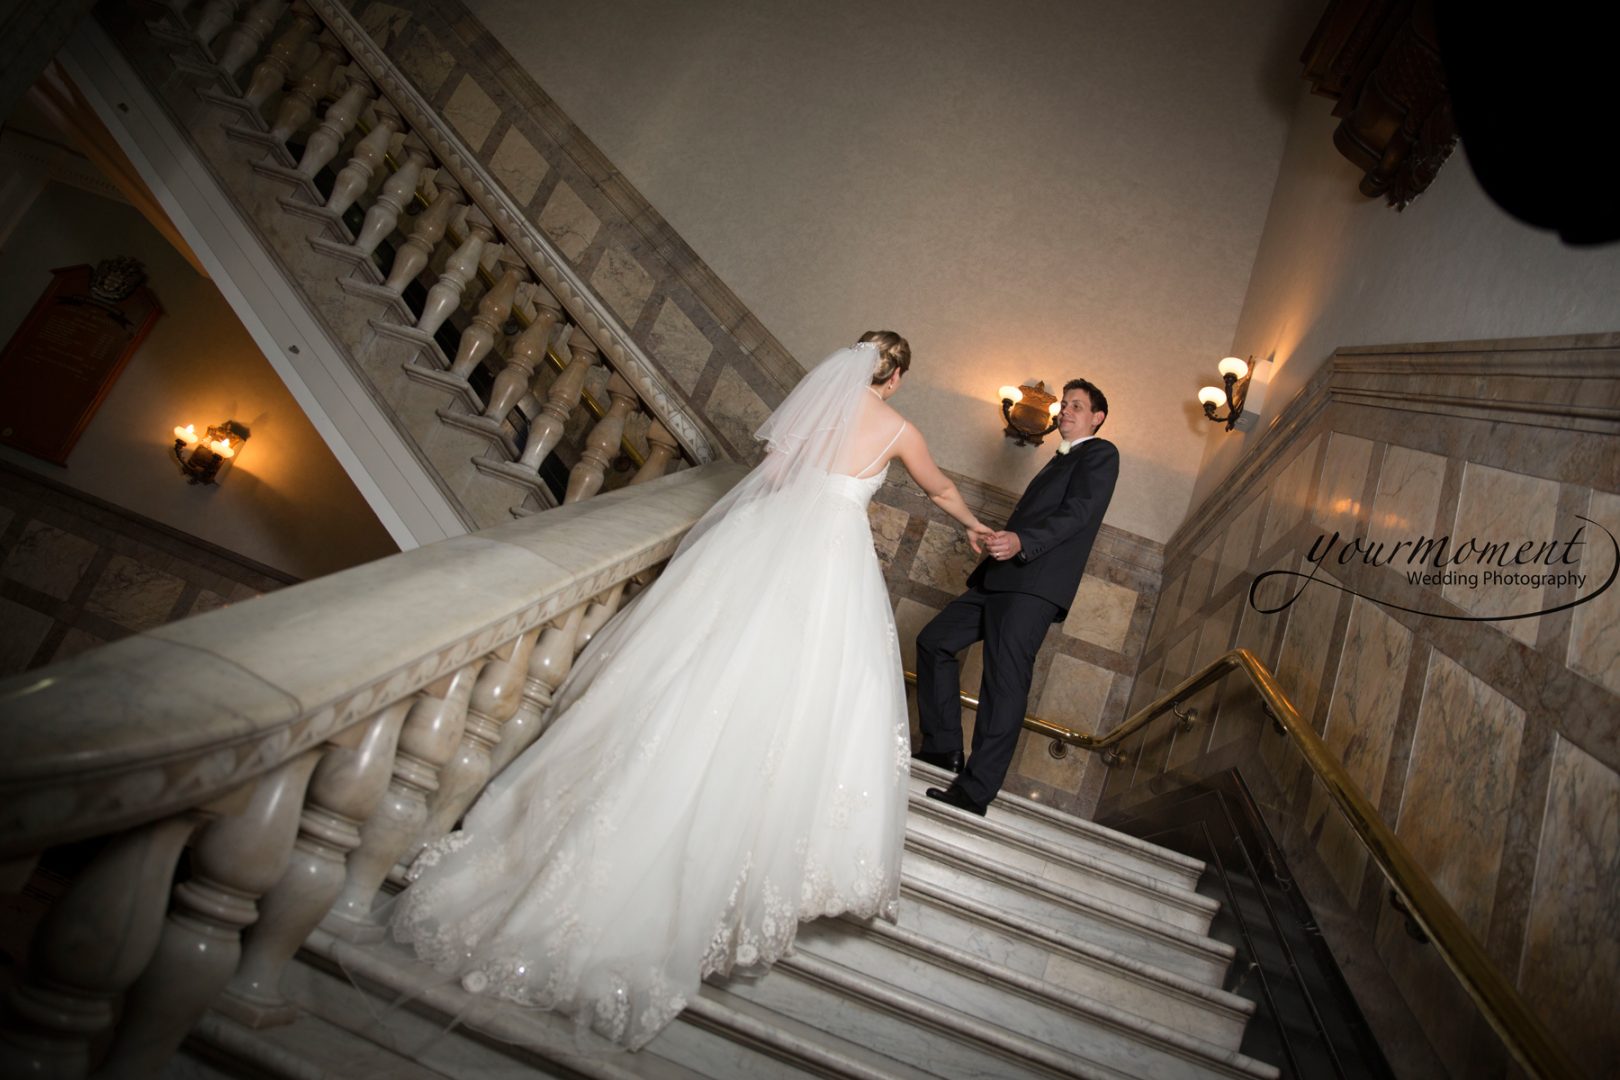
(728, 758)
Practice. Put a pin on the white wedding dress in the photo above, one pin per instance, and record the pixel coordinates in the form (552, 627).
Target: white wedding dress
(729, 758)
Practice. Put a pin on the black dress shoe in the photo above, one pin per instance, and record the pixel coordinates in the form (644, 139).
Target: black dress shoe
(951, 761)
(955, 796)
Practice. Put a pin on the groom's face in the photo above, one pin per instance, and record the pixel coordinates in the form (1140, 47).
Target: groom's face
(1075, 419)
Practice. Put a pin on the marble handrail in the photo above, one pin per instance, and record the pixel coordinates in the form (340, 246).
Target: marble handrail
(186, 713)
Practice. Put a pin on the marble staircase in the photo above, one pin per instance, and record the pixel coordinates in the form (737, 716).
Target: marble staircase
(1028, 944)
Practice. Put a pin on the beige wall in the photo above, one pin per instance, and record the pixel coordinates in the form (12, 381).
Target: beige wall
(1032, 190)
(1335, 269)
(286, 503)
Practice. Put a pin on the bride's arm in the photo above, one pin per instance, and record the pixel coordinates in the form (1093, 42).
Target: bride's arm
(912, 450)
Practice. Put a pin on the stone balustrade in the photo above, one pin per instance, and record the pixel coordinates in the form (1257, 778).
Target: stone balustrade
(504, 373)
(300, 745)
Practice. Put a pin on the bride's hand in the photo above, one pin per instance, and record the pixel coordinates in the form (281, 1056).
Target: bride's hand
(977, 534)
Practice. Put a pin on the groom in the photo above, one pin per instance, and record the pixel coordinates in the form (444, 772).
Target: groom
(1024, 585)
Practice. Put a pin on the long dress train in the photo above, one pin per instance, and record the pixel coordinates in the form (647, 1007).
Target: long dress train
(729, 758)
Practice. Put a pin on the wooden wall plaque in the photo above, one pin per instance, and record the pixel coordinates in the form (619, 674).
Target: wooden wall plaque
(59, 365)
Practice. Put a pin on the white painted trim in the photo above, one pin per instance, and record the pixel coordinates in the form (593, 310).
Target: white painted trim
(390, 478)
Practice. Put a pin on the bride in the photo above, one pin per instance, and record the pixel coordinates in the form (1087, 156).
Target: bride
(728, 756)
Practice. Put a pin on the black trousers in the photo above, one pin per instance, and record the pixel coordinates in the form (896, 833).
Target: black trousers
(1012, 626)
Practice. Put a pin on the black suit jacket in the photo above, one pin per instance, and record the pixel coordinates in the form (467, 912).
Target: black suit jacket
(1056, 521)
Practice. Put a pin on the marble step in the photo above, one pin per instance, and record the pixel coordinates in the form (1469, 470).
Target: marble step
(1064, 865)
(963, 872)
(719, 1035)
(958, 1023)
(1156, 994)
(1091, 1029)
(1041, 822)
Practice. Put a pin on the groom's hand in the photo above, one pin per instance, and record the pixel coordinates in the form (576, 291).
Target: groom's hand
(1004, 545)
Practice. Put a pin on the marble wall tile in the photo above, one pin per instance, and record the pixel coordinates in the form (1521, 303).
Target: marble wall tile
(568, 222)
(471, 111)
(1571, 968)
(48, 560)
(385, 23)
(735, 409)
(1459, 787)
(1101, 613)
(679, 346)
(22, 629)
(1290, 493)
(1498, 507)
(1408, 495)
(621, 281)
(1237, 546)
(944, 559)
(888, 526)
(518, 166)
(74, 642)
(1360, 729)
(1075, 695)
(1302, 662)
(134, 595)
(208, 600)
(1199, 577)
(1337, 506)
(1594, 640)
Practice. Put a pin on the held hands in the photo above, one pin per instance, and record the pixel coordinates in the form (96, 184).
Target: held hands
(1003, 545)
(977, 535)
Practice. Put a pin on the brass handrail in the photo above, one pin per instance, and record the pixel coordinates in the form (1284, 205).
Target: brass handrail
(1524, 1035)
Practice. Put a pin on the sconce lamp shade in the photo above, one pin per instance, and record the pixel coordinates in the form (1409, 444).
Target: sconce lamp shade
(1027, 410)
(1232, 392)
(202, 457)
(1053, 409)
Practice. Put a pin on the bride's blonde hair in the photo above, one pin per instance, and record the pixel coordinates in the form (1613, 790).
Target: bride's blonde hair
(894, 354)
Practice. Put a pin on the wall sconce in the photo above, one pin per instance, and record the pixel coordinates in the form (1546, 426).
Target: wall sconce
(1027, 410)
(1235, 378)
(201, 458)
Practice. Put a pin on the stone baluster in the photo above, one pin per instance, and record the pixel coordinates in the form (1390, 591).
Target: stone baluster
(549, 665)
(271, 73)
(661, 450)
(602, 444)
(345, 790)
(91, 945)
(355, 177)
(494, 309)
(341, 116)
(599, 611)
(412, 257)
(215, 16)
(445, 295)
(396, 194)
(546, 431)
(527, 353)
(432, 731)
(235, 860)
(298, 106)
(494, 699)
(247, 37)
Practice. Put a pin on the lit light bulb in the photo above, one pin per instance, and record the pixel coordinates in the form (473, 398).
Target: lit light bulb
(222, 448)
(187, 433)
(1212, 395)
(1234, 367)
(1055, 408)
(1012, 394)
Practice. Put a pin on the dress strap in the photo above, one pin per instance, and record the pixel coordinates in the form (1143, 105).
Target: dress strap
(898, 432)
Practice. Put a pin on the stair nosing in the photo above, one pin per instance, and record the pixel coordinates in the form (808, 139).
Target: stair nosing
(1148, 925)
(1078, 825)
(1186, 899)
(1225, 1002)
(1062, 998)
